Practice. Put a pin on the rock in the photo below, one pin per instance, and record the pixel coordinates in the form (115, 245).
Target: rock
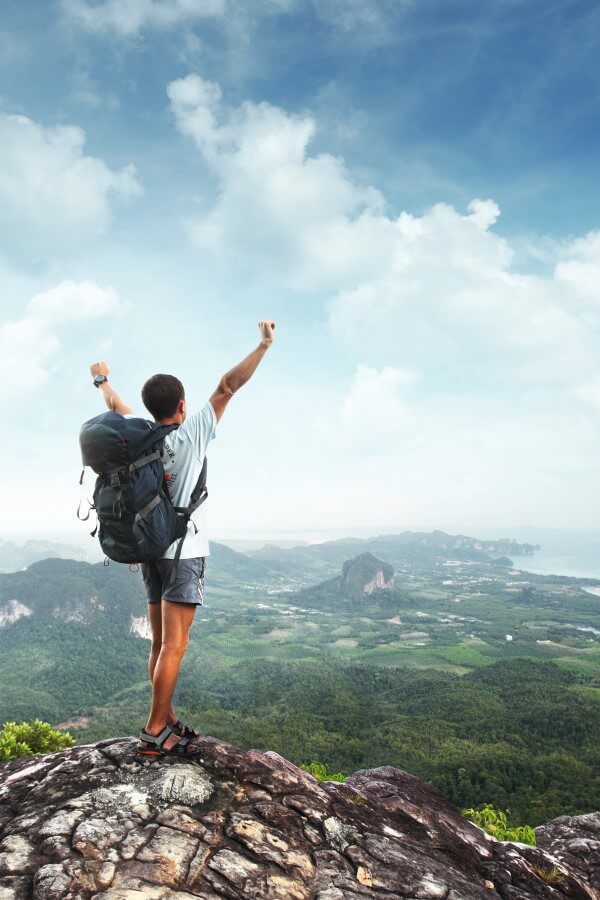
(178, 784)
(15, 855)
(337, 834)
(234, 867)
(172, 852)
(105, 875)
(96, 823)
(50, 882)
(93, 837)
(60, 824)
(574, 840)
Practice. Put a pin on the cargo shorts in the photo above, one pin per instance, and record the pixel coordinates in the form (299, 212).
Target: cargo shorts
(186, 587)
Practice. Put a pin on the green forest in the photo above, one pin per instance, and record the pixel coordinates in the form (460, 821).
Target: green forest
(521, 735)
(421, 676)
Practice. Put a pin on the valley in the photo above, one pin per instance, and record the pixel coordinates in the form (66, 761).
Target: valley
(436, 655)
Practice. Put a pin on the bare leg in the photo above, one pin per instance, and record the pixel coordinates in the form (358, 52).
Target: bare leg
(176, 622)
(155, 620)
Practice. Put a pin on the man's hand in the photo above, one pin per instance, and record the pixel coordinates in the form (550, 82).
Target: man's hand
(233, 380)
(111, 398)
(99, 368)
(266, 326)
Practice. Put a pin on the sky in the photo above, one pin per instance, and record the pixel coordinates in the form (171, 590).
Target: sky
(409, 189)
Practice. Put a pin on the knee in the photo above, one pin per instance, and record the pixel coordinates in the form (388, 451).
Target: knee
(175, 646)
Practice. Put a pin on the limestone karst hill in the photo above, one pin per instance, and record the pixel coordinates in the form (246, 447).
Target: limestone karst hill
(360, 577)
(94, 822)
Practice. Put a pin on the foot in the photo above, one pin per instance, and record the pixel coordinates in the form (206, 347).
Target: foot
(169, 742)
(184, 730)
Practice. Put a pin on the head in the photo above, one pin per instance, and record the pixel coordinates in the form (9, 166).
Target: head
(164, 398)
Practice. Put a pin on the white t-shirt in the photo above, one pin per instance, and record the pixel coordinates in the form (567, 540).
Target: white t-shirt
(185, 449)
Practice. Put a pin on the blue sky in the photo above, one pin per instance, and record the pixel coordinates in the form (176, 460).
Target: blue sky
(409, 189)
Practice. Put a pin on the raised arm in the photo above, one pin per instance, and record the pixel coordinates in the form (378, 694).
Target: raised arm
(233, 380)
(111, 398)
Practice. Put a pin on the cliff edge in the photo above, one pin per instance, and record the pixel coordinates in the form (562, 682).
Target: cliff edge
(93, 821)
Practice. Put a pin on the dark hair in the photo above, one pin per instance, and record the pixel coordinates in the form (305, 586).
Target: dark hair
(161, 395)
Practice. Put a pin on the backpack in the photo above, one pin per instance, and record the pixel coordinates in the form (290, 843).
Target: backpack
(136, 519)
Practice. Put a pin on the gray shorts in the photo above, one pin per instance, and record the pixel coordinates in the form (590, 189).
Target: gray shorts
(187, 586)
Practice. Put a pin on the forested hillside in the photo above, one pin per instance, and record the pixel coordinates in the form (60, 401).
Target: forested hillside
(475, 676)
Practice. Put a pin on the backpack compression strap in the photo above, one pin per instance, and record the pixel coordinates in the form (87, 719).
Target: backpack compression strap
(115, 481)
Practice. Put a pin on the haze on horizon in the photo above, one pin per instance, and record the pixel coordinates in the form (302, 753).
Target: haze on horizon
(409, 190)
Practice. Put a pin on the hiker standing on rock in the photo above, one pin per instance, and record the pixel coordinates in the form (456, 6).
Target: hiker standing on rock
(174, 448)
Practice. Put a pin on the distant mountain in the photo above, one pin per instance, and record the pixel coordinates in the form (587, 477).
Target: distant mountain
(56, 616)
(443, 541)
(365, 574)
(225, 562)
(70, 635)
(409, 546)
(75, 591)
(71, 591)
(15, 556)
(364, 579)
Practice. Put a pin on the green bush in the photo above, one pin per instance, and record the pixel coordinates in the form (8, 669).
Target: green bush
(319, 770)
(29, 739)
(495, 822)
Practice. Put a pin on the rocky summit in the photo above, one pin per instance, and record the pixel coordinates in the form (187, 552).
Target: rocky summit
(94, 821)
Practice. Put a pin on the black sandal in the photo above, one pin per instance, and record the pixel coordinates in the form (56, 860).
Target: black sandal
(184, 730)
(156, 746)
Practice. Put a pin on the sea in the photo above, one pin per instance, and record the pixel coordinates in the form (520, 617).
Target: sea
(573, 553)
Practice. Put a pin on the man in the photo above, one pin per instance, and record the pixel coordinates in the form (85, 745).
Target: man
(172, 602)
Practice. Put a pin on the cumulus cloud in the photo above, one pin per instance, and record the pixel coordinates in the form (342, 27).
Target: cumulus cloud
(302, 213)
(450, 297)
(130, 17)
(29, 345)
(375, 411)
(441, 289)
(579, 267)
(52, 194)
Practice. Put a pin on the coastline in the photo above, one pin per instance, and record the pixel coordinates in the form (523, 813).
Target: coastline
(550, 564)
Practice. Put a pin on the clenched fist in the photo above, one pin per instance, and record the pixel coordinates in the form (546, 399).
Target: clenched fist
(266, 326)
(99, 368)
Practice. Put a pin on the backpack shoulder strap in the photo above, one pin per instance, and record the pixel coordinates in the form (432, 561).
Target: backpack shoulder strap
(199, 494)
(156, 436)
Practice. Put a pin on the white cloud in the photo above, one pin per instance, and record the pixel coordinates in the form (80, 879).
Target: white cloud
(30, 345)
(484, 213)
(363, 18)
(392, 453)
(367, 20)
(375, 412)
(89, 92)
(440, 290)
(589, 393)
(303, 214)
(579, 268)
(128, 17)
(449, 297)
(52, 195)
